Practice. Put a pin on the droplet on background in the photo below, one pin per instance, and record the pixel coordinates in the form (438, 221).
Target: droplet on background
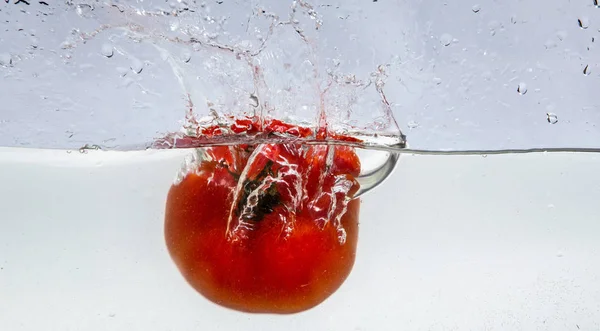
(137, 66)
(522, 88)
(476, 8)
(549, 44)
(84, 10)
(446, 39)
(186, 56)
(561, 35)
(584, 22)
(122, 71)
(5, 59)
(552, 118)
(587, 71)
(107, 50)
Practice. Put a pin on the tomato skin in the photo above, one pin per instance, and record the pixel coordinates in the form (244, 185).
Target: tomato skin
(272, 267)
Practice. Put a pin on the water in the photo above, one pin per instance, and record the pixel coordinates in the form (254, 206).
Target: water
(479, 239)
(502, 242)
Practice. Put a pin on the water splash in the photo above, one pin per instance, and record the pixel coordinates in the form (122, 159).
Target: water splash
(269, 66)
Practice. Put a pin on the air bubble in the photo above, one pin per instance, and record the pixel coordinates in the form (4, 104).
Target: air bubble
(584, 22)
(522, 88)
(552, 118)
(446, 39)
(107, 50)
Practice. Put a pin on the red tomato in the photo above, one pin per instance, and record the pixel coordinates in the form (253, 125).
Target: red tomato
(267, 228)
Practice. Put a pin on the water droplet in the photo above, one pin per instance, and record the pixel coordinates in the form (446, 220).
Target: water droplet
(584, 22)
(561, 35)
(186, 56)
(549, 44)
(476, 8)
(174, 26)
(122, 71)
(437, 80)
(494, 26)
(550, 205)
(34, 42)
(596, 4)
(522, 88)
(484, 156)
(412, 125)
(560, 254)
(5, 59)
(552, 118)
(587, 71)
(513, 19)
(112, 315)
(137, 66)
(446, 39)
(107, 50)
(84, 10)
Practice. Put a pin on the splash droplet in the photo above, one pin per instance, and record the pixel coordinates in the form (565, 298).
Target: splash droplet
(5, 59)
(587, 71)
(122, 71)
(584, 22)
(561, 35)
(522, 88)
(137, 66)
(84, 10)
(549, 44)
(107, 50)
(552, 118)
(186, 56)
(446, 39)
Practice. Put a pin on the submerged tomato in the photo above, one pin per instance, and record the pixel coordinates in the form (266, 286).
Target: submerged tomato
(267, 228)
